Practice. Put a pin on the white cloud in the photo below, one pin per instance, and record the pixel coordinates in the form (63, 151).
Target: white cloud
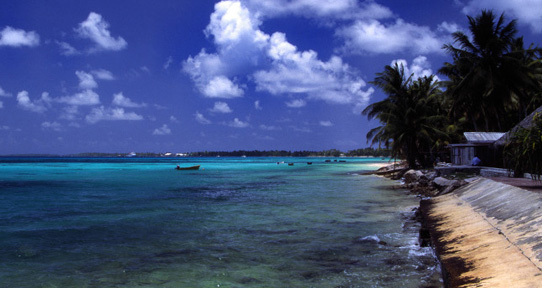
(270, 127)
(55, 126)
(527, 12)
(318, 9)
(420, 67)
(86, 97)
(1, 104)
(168, 62)
(4, 93)
(236, 123)
(274, 64)
(86, 80)
(201, 119)
(173, 119)
(97, 30)
(326, 123)
(103, 74)
(111, 114)
(448, 28)
(232, 23)
(164, 130)
(23, 100)
(257, 105)
(378, 38)
(120, 100)
(222, 87)
(70, 112)
(297, 103)
(221, 107)
(67, 49)
(17, 37)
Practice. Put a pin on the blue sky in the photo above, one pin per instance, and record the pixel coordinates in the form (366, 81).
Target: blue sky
(181, 76)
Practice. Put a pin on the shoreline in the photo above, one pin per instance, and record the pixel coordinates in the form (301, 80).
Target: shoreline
(484, 233)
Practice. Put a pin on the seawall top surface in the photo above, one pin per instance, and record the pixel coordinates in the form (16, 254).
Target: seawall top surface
(488, 234)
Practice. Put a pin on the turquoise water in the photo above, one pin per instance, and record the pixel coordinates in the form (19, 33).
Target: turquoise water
(236, 222)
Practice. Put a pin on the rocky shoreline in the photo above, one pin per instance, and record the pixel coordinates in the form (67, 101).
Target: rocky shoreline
(426, 184)
(484, 232)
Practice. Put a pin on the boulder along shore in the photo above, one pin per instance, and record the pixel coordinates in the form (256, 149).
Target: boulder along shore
(484, 233)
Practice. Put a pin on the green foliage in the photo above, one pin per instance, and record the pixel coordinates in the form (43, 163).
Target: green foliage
(494, 82)
(523, 153)
(412, 118)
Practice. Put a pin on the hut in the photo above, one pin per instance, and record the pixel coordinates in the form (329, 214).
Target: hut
(488, 146)
(479, 144)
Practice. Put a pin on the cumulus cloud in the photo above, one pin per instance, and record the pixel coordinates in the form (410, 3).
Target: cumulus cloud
(168, 62)
(83, 98)
(201, 119)
(110, 114)
(222, 87)
(164, 130)
(4, 93)
(120, 100)
(272, 63)
(379, 38)
(296, 103)
(257, 105)
(528, 12)
(86, 80)
(13, 37)
(1, 104)
(67, 49)
(55, 126)
(236, 123)
(38, 106)
(326, 123)
(103, 74)
(420, 67)
(221, 107)
(96, 29)
(318, 9)
(269, 127)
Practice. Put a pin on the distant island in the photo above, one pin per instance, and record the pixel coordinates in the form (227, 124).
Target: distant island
(366, 152)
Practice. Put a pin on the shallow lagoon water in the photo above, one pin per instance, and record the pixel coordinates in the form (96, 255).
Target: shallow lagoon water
(237, 222)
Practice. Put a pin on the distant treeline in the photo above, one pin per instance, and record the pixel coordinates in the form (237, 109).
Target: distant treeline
(284, 153)
(370, 152)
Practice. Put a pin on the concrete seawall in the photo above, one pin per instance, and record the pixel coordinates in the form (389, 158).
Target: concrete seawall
(487, 234)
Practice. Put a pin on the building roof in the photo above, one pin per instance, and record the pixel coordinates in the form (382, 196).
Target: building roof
(483, 137)
(526, 123)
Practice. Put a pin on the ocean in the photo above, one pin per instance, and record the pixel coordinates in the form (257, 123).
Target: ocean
(236, 222)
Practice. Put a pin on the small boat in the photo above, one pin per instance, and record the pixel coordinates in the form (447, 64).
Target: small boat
(195, 167)
(290, 164)
(309, 163)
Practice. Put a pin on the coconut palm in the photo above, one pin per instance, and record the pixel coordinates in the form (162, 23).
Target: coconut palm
(410, 118)
(491, 74)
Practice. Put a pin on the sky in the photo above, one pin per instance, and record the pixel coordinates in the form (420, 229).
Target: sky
(185, 76)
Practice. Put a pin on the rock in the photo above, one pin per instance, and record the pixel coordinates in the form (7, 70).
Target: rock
(412, 176)
(441, 183)
(446, 186)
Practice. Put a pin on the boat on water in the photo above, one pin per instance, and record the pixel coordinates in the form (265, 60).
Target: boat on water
(195, 167)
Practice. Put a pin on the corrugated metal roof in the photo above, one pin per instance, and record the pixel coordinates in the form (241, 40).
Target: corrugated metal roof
(483, 137)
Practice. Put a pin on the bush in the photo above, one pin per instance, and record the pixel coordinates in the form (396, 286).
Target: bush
(523, 153)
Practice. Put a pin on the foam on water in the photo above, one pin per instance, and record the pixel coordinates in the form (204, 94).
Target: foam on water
(238, 223)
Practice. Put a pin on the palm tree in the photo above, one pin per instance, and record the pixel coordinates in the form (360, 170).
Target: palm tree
(490, 75)
(410, 116)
